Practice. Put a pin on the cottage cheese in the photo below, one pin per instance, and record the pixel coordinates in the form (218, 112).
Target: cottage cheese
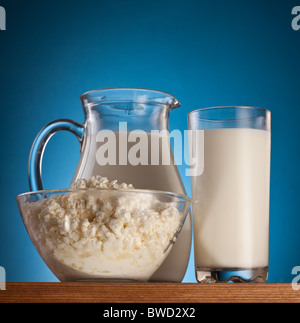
(95, 234)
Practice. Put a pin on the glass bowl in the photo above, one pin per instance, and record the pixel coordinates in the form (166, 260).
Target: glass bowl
(103, 234)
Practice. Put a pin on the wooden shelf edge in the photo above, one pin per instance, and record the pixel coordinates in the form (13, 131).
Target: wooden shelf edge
(86, 292)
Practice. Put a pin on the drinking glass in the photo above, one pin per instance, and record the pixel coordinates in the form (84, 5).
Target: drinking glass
(230, 150)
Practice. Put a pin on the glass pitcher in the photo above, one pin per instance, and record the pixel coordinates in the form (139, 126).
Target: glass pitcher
(123, 138)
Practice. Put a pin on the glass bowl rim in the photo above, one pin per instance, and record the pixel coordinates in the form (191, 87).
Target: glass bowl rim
(118, 190)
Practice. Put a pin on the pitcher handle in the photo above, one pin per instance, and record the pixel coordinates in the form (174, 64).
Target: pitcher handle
(39, 144)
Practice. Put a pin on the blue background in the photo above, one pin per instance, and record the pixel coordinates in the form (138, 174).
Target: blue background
(205, 53)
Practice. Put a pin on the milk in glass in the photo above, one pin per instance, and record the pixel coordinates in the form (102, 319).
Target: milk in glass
(231, 199)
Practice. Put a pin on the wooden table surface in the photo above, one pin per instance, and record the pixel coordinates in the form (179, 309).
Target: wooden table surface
(148, 293)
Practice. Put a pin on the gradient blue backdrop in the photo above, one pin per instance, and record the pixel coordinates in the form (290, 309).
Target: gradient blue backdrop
(204, 52)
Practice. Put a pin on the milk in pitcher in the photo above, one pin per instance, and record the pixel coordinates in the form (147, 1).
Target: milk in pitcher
(155, 170)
